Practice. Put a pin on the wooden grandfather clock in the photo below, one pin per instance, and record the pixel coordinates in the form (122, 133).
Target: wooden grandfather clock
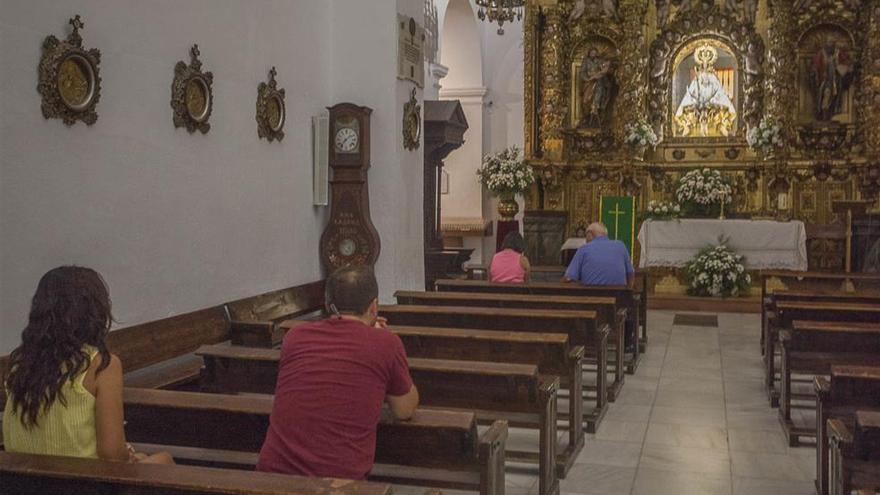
(350, 237)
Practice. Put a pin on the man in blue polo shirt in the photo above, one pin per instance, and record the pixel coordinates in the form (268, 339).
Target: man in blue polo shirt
(601, 261)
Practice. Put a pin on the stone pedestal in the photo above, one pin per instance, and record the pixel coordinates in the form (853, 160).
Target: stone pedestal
(544, 232)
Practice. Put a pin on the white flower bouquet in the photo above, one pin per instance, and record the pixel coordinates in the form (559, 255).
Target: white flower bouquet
(767, 137)
(641, 135)
(701, 191)
(717, 271)
(505, 172)
(662, 210)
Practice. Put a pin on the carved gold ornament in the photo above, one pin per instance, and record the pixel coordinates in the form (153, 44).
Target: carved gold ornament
(412, 122)
(69, 80)
(271, 111)
(191, 94)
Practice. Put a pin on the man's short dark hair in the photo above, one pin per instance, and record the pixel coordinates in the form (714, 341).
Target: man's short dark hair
(351, 289)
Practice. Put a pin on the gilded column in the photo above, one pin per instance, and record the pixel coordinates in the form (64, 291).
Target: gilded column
(634, 66)
(553, 94)
(869, 109)
(780, 100)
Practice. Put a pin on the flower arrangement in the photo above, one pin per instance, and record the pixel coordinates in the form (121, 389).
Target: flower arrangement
(765, 138)
(505, 172)
(641, 135)
(717, 271)
(701, 191)
(662, 210)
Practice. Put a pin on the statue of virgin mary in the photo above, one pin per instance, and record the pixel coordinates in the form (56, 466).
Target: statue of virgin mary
(705, 108)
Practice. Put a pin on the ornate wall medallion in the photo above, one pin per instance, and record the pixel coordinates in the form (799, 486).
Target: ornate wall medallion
(69, 80)
(412, 122)
(270, 109)
(191, 95)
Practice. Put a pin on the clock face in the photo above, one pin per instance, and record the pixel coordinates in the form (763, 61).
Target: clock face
(347, 140)
(347, 247)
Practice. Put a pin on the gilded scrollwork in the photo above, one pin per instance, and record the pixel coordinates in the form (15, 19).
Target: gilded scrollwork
(192, 97)
(710, 23)
(764, 61)
(70, 83)
(271, 109)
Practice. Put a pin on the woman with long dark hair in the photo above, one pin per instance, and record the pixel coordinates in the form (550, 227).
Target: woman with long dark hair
(64, 387)
(510, 264)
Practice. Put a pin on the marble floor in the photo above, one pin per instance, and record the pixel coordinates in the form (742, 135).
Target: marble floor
(692, 420)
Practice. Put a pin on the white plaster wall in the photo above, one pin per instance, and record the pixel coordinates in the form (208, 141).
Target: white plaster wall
(177, 222)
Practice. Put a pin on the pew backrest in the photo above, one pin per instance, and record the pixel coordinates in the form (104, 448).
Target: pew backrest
(279, 305)
(144, 345)
(835, 336)
(239, 423)
(867, 435)
(27, 474)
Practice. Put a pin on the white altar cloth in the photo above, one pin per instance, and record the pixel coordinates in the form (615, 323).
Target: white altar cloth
(764, 243)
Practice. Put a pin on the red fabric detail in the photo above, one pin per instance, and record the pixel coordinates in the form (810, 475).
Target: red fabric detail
(332, 381)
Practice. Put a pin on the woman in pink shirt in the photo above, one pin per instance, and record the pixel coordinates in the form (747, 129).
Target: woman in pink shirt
(509, 264)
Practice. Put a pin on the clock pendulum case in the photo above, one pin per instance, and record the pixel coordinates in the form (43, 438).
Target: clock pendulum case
(350, 237)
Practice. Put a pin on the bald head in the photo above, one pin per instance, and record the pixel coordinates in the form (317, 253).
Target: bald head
(351, 289)
(597, 229)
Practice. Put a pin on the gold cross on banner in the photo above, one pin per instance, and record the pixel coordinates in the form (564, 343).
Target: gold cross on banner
(616, 212)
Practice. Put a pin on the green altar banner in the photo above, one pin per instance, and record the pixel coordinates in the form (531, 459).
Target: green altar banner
(618, 213)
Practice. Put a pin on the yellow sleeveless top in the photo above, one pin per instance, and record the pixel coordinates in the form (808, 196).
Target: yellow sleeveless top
(60, 430)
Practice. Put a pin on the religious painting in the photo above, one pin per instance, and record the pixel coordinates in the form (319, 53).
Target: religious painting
(705, 90)
(826, 75)
(593, 85)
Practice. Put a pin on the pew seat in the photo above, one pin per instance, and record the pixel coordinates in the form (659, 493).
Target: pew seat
(813, 348)
(182, 372)
(223, 429)
(855, 454)
(28, 474)
(787, 311)
(851, 388)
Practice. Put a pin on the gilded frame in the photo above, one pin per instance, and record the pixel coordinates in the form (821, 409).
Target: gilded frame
(192, 97)
(271, 109)
(69, 78)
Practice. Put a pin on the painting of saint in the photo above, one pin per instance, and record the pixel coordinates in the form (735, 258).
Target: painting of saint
(597, 83)
(831, 76)
(705, 108)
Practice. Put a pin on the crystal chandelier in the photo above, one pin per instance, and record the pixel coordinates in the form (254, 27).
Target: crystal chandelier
(500, 11)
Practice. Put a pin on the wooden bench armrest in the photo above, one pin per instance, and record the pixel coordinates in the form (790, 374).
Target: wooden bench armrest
(822, 387)
(838, 432)
(496, 435)
(784, 336)
(576, 353)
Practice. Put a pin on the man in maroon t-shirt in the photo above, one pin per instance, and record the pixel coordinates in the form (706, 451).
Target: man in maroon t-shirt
(333, 378)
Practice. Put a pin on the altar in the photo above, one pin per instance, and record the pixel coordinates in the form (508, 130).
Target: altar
(765, 244)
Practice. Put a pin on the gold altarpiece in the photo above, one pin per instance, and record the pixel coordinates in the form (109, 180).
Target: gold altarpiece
(593, 66)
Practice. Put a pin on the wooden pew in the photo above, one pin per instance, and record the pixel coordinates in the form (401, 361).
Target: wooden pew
(768, 305)
(580, 326)
(812, 347)
(28, 474)
(605, 307)
(440, 448)
(516, 393)
(850, 388)
(253, 317)
(159, 353)
(786, 312)
(626, 298)
(551, 352)
(855, 455)
(773, 281)
(554, 274)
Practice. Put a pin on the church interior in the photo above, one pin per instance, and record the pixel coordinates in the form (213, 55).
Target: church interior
(485, 159)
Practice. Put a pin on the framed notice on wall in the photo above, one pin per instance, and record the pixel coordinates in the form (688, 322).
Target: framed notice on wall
(410, 50)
